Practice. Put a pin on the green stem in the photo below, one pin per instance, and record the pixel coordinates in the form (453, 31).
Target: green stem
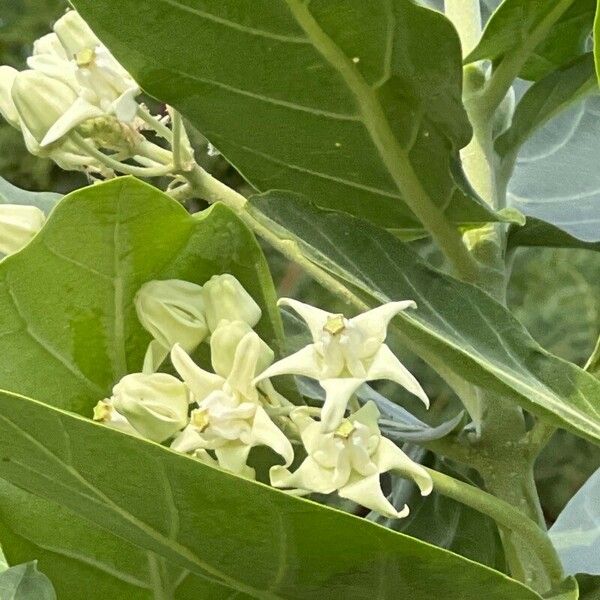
(160, 128)
(508, 517)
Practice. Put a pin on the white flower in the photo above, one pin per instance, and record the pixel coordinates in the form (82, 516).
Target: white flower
(172, 311)
(229, 420)
(346, 353)
(104, 412)
(155, 404)
(18, 225)
(350, 461)
(226, 299)
(7, 106)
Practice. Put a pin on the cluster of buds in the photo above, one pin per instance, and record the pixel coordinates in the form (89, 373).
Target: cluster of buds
(75, 100)
(219, 416)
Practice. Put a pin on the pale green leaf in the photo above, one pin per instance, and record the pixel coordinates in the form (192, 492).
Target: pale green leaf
(10, 194)
(25, 582)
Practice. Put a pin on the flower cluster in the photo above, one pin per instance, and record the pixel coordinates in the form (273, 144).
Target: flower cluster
(218, 416)
(75, 99)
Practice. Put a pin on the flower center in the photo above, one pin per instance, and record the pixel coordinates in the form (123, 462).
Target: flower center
(335, 324)
(344, 430)
(102, 411)
(200, 420)
(85, 57)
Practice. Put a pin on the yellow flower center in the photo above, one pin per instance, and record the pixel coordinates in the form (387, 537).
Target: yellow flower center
(200, 420)
(335, 324)
(102, 411)
(85, 57)
(344, 430)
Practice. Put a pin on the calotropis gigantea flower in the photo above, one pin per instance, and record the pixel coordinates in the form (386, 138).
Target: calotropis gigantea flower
(155, 404)
(172, 311)
(18, 224)
(104, 412)
(346, 353)
(350, 461)
(226, 299)
(229, 419)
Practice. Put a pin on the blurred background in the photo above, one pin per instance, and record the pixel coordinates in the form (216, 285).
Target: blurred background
(555, 293)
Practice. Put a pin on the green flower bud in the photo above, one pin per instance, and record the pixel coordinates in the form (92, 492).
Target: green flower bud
(226, 299)
(173, 312)
(223, 345)
(75, 34)
(156, 405)
(18, 224)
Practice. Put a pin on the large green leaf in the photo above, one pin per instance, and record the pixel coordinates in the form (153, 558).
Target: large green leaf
(457, 327)
(517, 24)
(68, 328)
(355, 103)
(545, 99)
(556, 178)
(250, 537)
(538, 233)
(87, 562)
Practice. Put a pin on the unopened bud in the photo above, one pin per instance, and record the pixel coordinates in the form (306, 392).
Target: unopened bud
(224, 343)
(7, 106)
(226, 299)
(18, 224)
(156, 405)
(173, 312)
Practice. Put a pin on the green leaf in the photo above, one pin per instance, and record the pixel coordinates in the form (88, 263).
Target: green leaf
(513, 26)
(547, 98)
(589, 587)
(556, 178)
(87, 562)
(25, 582)
(248, 536)
(457, 326)
(538, 233)
(10, 194)
(355, 103)
(68, 327)
(576, 532)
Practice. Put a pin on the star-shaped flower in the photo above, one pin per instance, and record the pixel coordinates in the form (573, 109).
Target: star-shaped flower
(346, 353)
(350, 461)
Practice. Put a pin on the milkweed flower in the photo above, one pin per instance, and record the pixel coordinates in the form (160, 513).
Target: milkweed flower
(18, 225)
(229, 420)
(346, 353)
(349, 461)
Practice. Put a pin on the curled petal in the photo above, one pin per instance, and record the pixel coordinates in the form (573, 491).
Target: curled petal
(367, 492)
(154, 357)
(389, 457)
(308, 476)
(338, 392)
(373, 324)
(386, 365)
(188, 440)
(200, 382)
(250, 354)
(314, 317)
(304, 362)
(266, 433)
(81, 110)
(125, 106)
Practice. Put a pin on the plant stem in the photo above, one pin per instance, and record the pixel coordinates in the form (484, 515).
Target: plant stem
(509, 518)
(160, 128)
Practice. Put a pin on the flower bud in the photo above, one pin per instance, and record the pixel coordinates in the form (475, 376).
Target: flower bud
(156, 405)
(7, 106)
(223, 345)
(40, 101)
(18, 224)
(49, 44)
(74, 33)
(173, 312)
(226, 299)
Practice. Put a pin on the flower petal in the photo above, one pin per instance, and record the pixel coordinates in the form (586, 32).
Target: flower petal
(338, 392)
(125, 106)
(188, 440)
(7, 106)
(386, 365)
(373, 323)
(303, 362)
(266, 433)
(308, 476)
(200, 382)
(367, 492)
(314, 317)
(154, 357)
(233, 458)
(81, 110)
(250, 353)
(389, 457)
